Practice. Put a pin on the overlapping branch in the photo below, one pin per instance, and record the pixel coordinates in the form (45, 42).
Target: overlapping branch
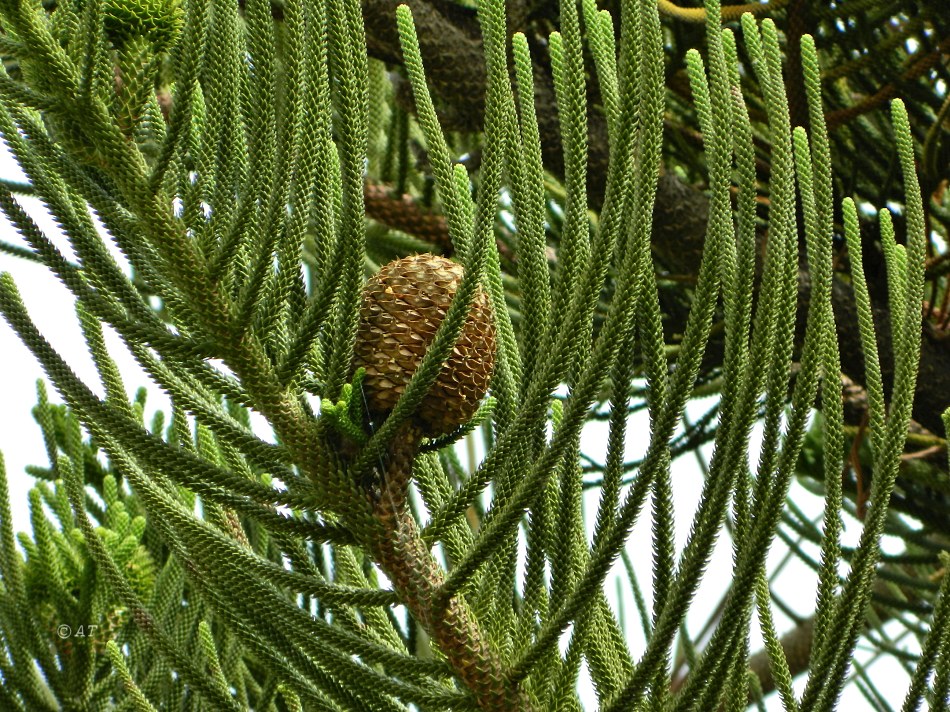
(451, 46)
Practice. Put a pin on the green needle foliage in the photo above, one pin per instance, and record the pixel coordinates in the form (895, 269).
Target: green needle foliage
(227, 175)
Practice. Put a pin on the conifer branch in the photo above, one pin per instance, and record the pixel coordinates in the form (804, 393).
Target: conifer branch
(212, 164)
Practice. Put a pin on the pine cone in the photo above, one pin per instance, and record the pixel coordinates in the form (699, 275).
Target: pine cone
(403, 306)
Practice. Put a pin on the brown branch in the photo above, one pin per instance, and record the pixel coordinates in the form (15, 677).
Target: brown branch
(418, 578)
(403, 213)
(729, 13)
(917, 69)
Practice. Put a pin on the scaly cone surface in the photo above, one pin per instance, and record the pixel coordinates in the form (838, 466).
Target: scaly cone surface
(403, 306)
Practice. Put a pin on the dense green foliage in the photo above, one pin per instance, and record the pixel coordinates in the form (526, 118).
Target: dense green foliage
(254, 162)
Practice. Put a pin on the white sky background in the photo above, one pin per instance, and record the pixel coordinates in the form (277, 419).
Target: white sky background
(52, 309)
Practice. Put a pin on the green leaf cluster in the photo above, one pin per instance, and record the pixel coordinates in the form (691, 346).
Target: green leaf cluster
(281, 567)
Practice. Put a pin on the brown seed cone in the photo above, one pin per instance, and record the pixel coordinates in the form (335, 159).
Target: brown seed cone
(403, 306)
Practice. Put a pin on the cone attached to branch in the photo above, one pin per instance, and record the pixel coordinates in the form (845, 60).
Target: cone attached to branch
(403, 306)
